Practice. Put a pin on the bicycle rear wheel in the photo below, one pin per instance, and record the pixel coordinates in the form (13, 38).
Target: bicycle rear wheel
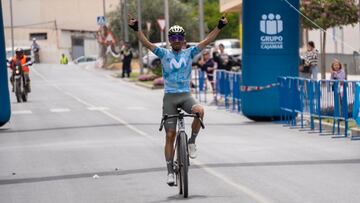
(184, 164)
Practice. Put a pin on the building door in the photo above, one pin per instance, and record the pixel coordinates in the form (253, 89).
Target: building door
(77, 47)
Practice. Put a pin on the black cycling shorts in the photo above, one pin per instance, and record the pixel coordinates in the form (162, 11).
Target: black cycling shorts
(172, 101)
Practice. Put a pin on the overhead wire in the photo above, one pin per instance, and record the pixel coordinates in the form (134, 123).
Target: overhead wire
(320, 28)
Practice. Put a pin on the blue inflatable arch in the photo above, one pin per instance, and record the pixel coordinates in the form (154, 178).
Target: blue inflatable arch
(270, 49)
(4, 89)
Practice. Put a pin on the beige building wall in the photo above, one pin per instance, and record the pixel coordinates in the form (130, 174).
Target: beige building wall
(230, 5)
(60, 19)
(69, 14)
(345, 42)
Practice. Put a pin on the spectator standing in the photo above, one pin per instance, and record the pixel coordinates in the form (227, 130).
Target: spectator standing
(35, 49)
(64, 60)
(127, 57)
(337, 72)
(221, 58)
(208, 65)
(311, 59)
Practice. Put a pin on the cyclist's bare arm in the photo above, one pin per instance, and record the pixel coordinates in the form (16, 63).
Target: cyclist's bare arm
(140, 35)
(213, 34)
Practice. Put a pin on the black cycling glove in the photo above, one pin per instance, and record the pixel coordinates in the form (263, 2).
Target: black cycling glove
(135, 27)
(221, 23)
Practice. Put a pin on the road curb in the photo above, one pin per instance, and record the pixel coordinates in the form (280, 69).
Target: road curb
(138, 83)
(149, 86)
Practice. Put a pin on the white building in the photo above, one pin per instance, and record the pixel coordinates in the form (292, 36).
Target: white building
(66, 26)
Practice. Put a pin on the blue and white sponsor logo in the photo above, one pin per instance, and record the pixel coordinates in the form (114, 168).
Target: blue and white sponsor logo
(272, 26)
(177, 65)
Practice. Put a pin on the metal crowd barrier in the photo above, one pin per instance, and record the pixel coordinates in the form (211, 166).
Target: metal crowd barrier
(319, 100)
(299, 98)
(226, 88)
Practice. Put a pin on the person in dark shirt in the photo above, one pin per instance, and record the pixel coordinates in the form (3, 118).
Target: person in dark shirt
(208, 65)
(127, 57)
(221, 58)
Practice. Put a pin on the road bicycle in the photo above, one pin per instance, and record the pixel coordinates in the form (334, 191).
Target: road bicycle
(182, 162)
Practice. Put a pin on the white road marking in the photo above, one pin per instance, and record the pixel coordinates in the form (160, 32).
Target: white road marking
(59, 110)
(256, 196)
(21, 112)
(97, 108)
(90, 106)
(122, 121)
(57, 87)
(137, 108)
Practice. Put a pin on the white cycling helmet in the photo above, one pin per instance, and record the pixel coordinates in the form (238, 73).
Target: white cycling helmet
(176, 30)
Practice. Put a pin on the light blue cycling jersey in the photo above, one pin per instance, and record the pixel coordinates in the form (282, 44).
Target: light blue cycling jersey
(176, 67)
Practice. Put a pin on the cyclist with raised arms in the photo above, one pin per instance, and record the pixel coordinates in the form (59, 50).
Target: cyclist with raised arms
(176, 67)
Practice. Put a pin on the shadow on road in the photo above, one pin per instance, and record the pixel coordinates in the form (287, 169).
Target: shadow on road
(190, 197)
(9, 130)
(162, 169)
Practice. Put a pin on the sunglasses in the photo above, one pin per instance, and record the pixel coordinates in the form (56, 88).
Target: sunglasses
(174, 38)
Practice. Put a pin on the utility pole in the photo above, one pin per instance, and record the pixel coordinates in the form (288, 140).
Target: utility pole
(140, 45)
(342, 40)
(104, 9)
(241, 26)
(12, 28)
(126, 30)
(166, 5)
(122, 19)
(201, 19)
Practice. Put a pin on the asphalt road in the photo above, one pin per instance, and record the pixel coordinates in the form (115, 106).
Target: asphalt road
(85, 136)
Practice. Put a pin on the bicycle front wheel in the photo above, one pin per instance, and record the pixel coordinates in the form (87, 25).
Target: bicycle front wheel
(184, 163)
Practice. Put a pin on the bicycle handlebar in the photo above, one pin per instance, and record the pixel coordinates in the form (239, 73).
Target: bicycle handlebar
(165, 117)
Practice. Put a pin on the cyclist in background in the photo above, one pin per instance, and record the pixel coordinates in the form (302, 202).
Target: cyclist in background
(176, 67)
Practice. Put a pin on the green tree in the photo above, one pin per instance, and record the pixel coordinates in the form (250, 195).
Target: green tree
(327, 14)
(180, 13)
(212, 15)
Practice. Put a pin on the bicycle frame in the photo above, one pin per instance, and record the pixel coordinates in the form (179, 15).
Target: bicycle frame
(180, 117)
